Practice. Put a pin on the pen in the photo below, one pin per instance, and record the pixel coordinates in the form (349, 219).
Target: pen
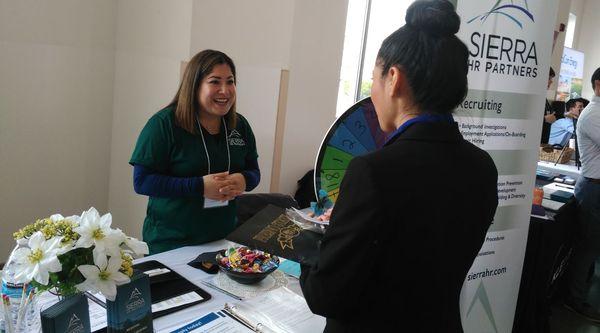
(25, 298)
(95, 299)
(221, 290)
(7, 316)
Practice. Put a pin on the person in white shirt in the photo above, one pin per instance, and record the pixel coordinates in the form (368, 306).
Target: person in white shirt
(587, 192)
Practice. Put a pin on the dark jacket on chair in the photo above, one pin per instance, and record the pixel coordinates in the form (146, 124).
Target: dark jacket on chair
(407, 225)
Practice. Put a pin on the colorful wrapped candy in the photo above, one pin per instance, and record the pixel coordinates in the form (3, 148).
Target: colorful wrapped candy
(243, 259)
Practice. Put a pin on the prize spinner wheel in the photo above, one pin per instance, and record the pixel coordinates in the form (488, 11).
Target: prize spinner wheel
(356, 132)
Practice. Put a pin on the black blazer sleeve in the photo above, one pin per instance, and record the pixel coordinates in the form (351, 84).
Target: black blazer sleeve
(339, 278)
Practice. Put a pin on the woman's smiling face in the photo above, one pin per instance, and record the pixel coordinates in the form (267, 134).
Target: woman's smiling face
(217, 91)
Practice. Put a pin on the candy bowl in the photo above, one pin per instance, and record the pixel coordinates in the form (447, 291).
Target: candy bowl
(246, 266)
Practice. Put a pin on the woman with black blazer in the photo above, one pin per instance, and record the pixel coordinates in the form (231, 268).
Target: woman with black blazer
(411, 217)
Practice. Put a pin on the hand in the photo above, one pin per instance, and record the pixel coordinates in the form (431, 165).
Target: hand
(550, 118)
(213, 183)
(236, 187)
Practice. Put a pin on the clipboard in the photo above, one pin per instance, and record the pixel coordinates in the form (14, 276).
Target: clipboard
(168, 285)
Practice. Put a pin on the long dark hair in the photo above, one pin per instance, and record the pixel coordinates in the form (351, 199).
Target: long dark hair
(433, 59)
(186, 100)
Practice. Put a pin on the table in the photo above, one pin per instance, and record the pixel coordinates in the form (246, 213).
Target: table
(544, 246)
(547, 253)
(566, 169)
(177, 260)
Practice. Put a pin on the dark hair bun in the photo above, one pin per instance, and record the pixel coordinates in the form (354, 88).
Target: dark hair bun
(436, 17)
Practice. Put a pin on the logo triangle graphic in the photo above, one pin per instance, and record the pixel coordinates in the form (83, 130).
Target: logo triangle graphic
(510, 9)
(482, 296)
(135, 294)
(74, 322)
(234, 133)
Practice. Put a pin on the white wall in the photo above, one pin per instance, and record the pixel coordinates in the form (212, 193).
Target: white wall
(305, 37)
(315, 61)
(56, 86)
(252, 33)
(257, 35)
(589, 43)
(577, 7)
(562, 16)
(78, 81)
(152, 38)
(257, 100)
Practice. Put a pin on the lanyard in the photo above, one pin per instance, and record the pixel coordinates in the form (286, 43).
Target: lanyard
(424, 118)
(206, 149)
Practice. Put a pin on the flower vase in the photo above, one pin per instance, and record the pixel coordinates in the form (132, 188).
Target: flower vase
(30, 321)
(20, 312)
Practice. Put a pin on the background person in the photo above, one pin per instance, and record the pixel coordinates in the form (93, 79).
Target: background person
(587, 192)
(395, 254)
(550, 115)
(562, 129)
(559, 108)
(194, 157)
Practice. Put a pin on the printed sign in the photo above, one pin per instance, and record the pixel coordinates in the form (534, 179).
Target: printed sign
(510, 44)
(570, 78)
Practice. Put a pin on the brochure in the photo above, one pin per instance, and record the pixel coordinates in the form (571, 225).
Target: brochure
(214, 322)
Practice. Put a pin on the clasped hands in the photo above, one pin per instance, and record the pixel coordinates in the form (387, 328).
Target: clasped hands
(223, 186)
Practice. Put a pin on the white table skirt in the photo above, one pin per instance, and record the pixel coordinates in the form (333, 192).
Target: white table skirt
(565, 169)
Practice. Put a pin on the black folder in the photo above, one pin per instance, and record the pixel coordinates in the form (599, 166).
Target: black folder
(169, 285)
(270, 230)
(162, 287)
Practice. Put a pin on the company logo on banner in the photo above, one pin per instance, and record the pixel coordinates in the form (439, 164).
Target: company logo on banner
(507, 9)
(505, 53)
(510, 45)
(481, 297)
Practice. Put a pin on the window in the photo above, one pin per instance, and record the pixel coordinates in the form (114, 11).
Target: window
(570, 30)
(368, 23)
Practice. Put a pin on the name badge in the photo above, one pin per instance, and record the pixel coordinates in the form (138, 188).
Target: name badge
(210, 203)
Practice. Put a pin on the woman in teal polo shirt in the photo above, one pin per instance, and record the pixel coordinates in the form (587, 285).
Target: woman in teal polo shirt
(194, 157)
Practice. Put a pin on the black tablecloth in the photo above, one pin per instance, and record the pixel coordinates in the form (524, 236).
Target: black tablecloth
(548, 249)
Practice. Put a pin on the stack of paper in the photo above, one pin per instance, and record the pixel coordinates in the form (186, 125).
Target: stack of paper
(553, 187)
(280, 310)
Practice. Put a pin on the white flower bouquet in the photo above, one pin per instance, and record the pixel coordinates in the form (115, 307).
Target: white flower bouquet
(67, 255)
